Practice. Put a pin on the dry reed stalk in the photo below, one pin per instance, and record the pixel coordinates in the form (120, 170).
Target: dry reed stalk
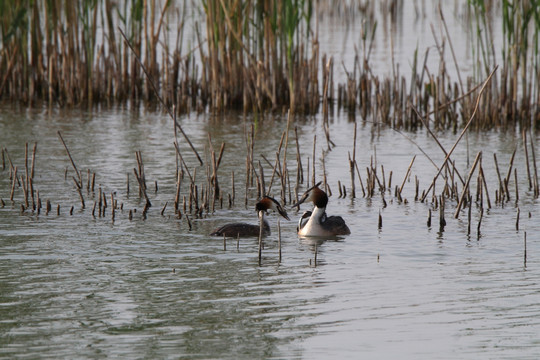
(524, 135)
(509, 173)
(535, 178)
(233, 188)
(88, 179)
(113, 210)
(276, 170)
(451, 48)
(285, 169)
(417, 187)
(351, 164)
(480, 222)
(369, 182)
(279, 240)
(140, 174)
(517, 190)
(525, 249)
(464, 129)
(184, 166)
(442, 220)
(178, 186)
(260, 238)
(289, 185)
(469, 217)
(501, 186)
(26, 184)
(300, 168)
(360, 179)
(262, 183)
(100, 202)
(11, 166)
(485, 186)
(142, 188)
(38, 203)
(104, 203)
(466, 186)
(13, 184)
(71, 159)
(407, 174)
(383, 181)
(25, 191)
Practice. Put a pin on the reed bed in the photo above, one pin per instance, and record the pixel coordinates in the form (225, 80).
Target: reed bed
(256, 56)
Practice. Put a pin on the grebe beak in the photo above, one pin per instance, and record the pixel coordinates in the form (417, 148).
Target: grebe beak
(306, 195)
(270, 203)
(282, 212)
(302, 199)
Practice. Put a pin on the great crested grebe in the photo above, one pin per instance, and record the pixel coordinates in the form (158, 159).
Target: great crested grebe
(316, 222)
(243, 229)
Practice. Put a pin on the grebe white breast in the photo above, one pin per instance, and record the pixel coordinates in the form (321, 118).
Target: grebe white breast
(243, 229)
(316, 222)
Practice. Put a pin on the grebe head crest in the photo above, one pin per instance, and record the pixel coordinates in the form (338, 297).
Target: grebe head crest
(268, 203)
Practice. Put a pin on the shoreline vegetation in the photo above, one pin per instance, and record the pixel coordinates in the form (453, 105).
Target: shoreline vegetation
(257, 56)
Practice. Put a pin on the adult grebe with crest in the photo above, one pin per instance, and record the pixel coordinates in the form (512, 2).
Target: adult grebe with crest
(244, 229)
(316, 222)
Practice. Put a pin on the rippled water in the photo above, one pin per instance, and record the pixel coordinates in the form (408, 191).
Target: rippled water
(153, 289)
(74, 285)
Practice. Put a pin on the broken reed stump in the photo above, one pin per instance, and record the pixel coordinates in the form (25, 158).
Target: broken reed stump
(480, 223)
(442, 220)
(261, 224)
(525, 249)
(279, 239)
(142, 189)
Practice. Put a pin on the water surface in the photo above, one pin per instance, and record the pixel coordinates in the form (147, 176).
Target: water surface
(153, 288)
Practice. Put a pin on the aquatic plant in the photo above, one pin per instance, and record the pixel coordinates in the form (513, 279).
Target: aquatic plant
(257, 56)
